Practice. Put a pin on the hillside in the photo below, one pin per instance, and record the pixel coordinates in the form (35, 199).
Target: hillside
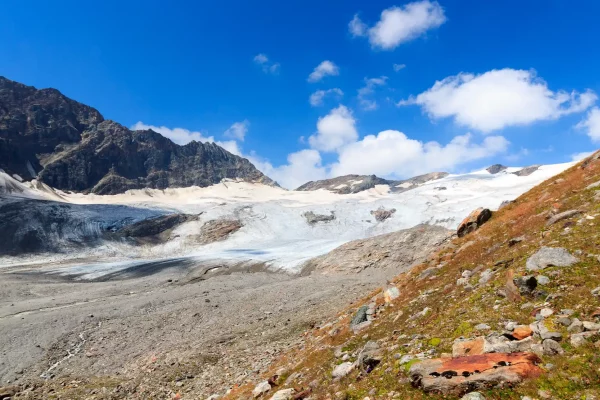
(70, 146)
(498, 289)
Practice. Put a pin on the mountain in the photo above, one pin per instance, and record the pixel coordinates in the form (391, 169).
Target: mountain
(71, 147)
(357, 183)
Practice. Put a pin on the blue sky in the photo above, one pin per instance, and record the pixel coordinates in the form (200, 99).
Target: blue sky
(518, 80)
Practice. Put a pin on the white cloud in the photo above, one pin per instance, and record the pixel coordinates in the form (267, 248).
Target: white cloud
(581, 156)
(357, 27)
(498, 98)
(367, 90)
(399, 67)
(267, 66)
(334, 130)
(302, 166)
(400, 24)
(183, 136)
(238, 130)
(322, 70)
(392, 153)
(591, 124)
(316, 99)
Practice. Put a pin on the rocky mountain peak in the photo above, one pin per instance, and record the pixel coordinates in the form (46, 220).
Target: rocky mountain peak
(70, 146)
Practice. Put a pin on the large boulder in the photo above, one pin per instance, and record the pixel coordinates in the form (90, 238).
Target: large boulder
(462, 374)
(550, 257)
(473, 221)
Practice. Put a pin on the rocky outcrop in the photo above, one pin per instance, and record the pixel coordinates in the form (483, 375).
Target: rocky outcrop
(218, 229)
(312, 218)
(357, 183)
(381, 214)
(473, 221)
(483, 371)
(494, 169)
(392, 251)
(70, 146)
(152, 229)
(527, 170)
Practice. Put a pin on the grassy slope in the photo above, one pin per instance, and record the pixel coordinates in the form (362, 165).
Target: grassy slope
(455, 311)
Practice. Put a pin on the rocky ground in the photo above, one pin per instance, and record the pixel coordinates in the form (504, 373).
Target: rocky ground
(160, 330)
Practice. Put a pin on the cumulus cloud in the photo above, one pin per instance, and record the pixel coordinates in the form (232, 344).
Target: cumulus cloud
(399, 67)
(398, 25)
(302, 166)
(357, 27)
(334, 130)
(581, 156)
(591, 124)
(322, 70)
(364, 92)
(392, 153)
(238, 130)
(184, 136)
(498, 98)
(316, 99)
(268, 66)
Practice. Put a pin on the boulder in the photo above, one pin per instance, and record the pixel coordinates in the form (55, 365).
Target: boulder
(369, 357)
(391, 294)
(550, 257)
(285, 394)
(521, 332)
(342, 370)
(381, 214)
(261, 388)
(552, 348)
(461, 374)
(473, 221)
(359, 317)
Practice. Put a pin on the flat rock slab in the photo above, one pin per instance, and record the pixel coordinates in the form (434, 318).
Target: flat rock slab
(550, 257)
(461, 374)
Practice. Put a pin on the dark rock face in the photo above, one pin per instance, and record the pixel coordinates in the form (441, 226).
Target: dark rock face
(527, 170)
(70, 146)
(494, 169)
(357, 183)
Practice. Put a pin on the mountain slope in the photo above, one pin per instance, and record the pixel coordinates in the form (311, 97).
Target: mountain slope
(500, 287)
(70, 146)
(347, 184)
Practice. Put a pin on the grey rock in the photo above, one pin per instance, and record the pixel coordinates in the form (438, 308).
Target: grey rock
(564, 321)
(381, 214)
(579, 339)
(284, 394)
(313, 218)
(563, 215)
(552, 348)
(550, 257)
(342, 370)
(369, 357)
(527, 170)
(576, 326)
(494, 169)
(591, 326)
(359, 317)
(482, 327)
(473, 395)
(261, 388)
(543, 280)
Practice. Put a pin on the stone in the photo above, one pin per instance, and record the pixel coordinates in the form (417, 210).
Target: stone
(564, 321)
(563, 215)
(284, 394)
(482, 327)
(475, 372)
(261, 388)
(473, 396)
(359, 317)
(579, 339)
(342, 370)
(464, 347)
(473, 221)
(526, 284)
(543, 280)
(406, 358)
(576, 326)
(521, 332)
(546, 312)
(552, 348)
(381, 214)
(312, 218)
(591, 326)
(486, 276)
(391, 293)
(550, 257)
(596, 292)
(369, 357)
(515, 240)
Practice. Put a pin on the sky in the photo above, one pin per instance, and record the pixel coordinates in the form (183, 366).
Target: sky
(313, 89)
